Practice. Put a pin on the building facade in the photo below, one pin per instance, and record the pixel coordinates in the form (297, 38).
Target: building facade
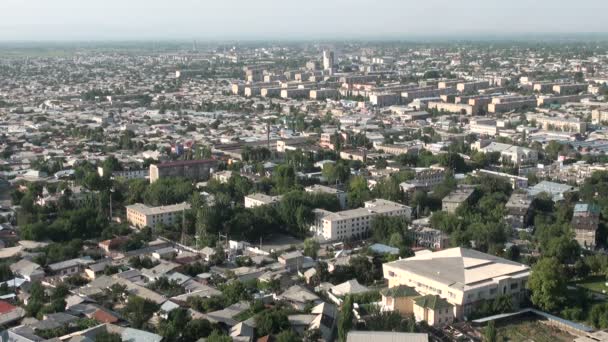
(355, 223)
(465, 278)
(141, 215)
(191, 169)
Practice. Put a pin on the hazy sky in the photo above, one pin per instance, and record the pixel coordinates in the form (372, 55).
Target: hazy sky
(284, 19)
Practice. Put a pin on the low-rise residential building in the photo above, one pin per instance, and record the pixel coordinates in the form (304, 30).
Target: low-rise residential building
(463, 277)
(141, 215)
(258, 199)
(434, 310)
(425, 178)
(429, 237)
(518, 209)
(399, 298)
(457, 197)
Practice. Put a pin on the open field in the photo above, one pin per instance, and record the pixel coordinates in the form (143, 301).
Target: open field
(532, 330)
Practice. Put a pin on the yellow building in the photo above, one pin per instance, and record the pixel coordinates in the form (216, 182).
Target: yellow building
(141, 215)
(434, 310)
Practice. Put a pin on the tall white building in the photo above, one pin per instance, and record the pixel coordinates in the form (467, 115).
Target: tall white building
(328, 60)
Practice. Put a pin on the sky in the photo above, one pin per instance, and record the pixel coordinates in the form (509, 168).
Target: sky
(51, 20)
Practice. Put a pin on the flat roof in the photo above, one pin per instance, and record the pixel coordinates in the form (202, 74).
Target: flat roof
(147, 210)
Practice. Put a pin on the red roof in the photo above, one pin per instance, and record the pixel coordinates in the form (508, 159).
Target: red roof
(102, 316)
(5, 307)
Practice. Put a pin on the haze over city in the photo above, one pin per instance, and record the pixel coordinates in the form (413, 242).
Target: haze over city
(284, 20)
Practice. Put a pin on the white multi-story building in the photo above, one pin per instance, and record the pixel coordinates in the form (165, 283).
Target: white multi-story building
(355, 223)
(141, 215)
(463, 277)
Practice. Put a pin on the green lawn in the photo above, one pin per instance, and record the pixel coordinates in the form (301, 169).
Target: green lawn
(532, 330)
(594, 283)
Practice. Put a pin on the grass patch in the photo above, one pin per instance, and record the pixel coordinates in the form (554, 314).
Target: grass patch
(531, 330)
(596, 283)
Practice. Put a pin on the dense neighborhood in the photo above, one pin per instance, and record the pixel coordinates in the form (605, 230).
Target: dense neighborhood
(342, 191)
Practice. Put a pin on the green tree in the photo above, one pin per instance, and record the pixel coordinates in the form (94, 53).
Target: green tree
(311, 248)
(217, 336)
(287, 336)
(284, 177)
(196, 328)
(138, 311)
(489, 334)
(548, 284)
(345, 319)
(271, 322)
(358, 192)
(105, 336)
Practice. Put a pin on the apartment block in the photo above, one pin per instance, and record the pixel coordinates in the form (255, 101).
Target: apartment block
(384, 99)
(191, 169)
(466, 87)
(569, 89)
(518, 210)
(447, 107)
(563, 124)
(355, 223)
(141, 215)
(599, 116)
(456, 198)
(322, 94)
(259, 199)
(509, 103)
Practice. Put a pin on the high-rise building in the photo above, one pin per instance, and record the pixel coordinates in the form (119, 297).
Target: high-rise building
(328, 60)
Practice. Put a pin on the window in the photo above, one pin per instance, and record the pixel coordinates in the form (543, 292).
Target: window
(514, 286)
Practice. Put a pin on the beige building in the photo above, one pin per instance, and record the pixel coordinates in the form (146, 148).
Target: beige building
(483, 126)
(569, 89)
(399, 298)
(355, 223)
(463, 277)
(141, 215)
(434, 310)
(557, 123)
(258, 199)
(460, 108)
(465, 87)
(191, 169)
(599, 116)
(511, 102)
